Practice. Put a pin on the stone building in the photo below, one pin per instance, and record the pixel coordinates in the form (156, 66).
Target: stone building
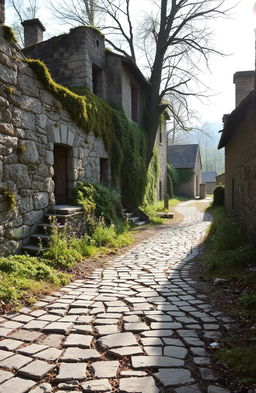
(43, 153)
(239, 140)
(209, 178)
(80, 59)
(187, 160)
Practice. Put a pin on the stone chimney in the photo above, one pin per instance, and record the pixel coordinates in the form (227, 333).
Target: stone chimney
(2, 12)
(33, 31)
(244, 82)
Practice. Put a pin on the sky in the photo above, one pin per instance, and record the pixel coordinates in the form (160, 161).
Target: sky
(234, 36)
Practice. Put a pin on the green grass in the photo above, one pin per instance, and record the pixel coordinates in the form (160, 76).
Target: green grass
(242, 360)
(152, 210)
(22, 275)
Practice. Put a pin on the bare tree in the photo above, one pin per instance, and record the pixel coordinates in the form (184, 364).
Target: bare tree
(23, 9)
(174, 38)
(76, 12)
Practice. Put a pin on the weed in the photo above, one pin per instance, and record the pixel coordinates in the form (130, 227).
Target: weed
(10, 198)
(248, 300)
(242, 360)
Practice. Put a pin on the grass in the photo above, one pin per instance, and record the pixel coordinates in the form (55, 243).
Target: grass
(229, 255)
(153, 209)
(22, 275)
(242, 360)
(23, 278)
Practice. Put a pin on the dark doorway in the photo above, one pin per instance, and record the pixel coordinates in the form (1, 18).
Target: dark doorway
(60, 177)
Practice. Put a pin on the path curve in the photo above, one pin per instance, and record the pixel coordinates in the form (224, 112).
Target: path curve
(136, 326)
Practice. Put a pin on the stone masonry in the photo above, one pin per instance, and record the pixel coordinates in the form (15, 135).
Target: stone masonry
(137, 326)
(32, 122)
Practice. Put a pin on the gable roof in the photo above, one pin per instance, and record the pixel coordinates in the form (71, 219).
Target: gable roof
(183, 156)
(209, 177)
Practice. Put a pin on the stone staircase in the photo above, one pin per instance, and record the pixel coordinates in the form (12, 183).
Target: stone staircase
(133, 218)
(61, 214)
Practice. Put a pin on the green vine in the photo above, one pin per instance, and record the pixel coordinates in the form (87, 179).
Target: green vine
(124, 141)
(152, 178)
(9, 34)
(10, 198)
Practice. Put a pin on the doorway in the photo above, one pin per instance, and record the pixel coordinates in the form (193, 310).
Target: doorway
(60, 177)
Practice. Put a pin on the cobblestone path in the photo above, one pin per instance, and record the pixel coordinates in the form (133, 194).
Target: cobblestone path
(137, 326)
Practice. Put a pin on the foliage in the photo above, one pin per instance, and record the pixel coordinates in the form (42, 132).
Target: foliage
(184, 175)
(20, 274)
(228, 252)
(109, 236)
(124, 141)
(9, 90)
(9, 34)
(10, 198)
(152, 180)
(219, 196)
(243, 361)
(99, 201)
(248, 300)
(172, 172)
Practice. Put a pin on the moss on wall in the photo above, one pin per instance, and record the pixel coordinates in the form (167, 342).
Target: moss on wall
(124, 141)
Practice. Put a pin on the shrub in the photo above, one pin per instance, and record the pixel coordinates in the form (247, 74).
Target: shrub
(219, 196)
(98, 201)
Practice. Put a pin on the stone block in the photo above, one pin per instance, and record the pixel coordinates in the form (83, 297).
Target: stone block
(18, 173)
(17, 385)
(7, 75)
(29, 153)
(7, 129)
(18, 233)
(32, 217)
(40, 200)
(41, 120)
(63, 133)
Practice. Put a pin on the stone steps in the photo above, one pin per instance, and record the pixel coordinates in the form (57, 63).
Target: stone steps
(132, 218)
(59, 214)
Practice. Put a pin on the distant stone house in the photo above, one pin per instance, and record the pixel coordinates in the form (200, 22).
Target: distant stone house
(239, 140)
(209, 178)
(187, 160)
(220, 179)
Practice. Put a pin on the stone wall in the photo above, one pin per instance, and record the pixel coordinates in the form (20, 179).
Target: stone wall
(31, 123)
(240, 171)
(191, 188)
(70, 57)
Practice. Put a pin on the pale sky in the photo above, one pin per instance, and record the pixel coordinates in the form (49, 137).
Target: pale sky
(234, 36)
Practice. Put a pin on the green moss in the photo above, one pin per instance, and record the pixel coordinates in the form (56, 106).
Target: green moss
(124, 141)
(9, 90)
(9, 35)
(10, 198)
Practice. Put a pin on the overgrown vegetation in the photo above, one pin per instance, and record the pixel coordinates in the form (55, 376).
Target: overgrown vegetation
(184, 175)
(150, 196)
(10, 198)
(124, 141)
(219, 196)
(230, 256)
(152, 210)
(20, 275)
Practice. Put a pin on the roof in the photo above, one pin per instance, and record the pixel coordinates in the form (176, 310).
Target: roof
(236, 117)
(131, 66)
(183, 156)
(209, 177)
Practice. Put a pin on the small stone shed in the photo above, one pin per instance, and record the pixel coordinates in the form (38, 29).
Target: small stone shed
(187, 160)
(220, 179)
(209, 178)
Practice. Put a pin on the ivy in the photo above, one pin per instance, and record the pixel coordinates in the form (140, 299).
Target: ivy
(152, 178)
(124, 141)
(9, 35)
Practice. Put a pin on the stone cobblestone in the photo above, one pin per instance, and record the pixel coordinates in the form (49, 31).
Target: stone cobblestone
(136, 326)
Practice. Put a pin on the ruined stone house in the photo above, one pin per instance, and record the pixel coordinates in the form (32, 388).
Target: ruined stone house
(187, 160)
(43, 152)
(239, 140)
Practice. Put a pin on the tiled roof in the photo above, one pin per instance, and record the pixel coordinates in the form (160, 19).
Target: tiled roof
(209, 177)
(183, 156)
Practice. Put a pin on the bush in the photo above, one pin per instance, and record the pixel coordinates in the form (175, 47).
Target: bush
(219, 196)
(98, 201)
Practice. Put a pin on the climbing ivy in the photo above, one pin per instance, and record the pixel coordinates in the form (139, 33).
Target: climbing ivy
(152, 178)
(124, 141)
(9, 34)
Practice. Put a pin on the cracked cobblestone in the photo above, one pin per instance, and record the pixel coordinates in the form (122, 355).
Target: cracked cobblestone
(136, 326)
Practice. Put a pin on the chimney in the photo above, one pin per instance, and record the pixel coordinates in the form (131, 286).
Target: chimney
(33, 31)
(2, 12)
